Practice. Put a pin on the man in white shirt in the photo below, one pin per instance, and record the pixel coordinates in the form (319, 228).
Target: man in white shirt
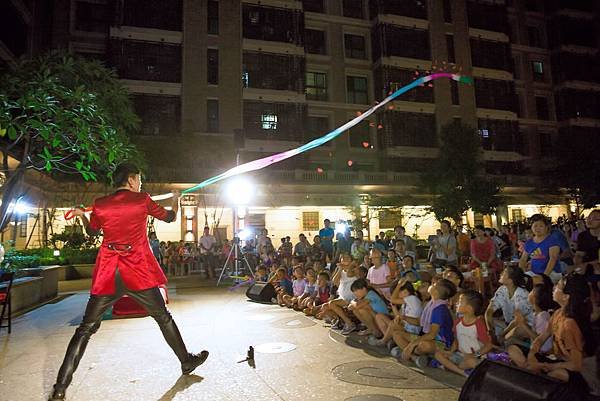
(207, 244)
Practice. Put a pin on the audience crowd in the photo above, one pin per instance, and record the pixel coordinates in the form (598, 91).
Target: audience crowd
(527, 294)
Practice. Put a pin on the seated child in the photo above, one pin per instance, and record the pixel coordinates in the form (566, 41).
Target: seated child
(471, 339)
(366, 305)
(298, 285)
(344, 276)
(309, 290)
(541, 299)
(408, 270)
(282, 284)
(406, 318)
(392, 264)
(318, 305)
(436, 326)
(260, 275)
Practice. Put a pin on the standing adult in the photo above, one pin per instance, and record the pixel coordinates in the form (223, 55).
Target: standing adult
(155, 245)
(326, 234)
(445, 252)
(400, 234)
(483, 250)
(207, 244)
(586, 258)
(125, 265)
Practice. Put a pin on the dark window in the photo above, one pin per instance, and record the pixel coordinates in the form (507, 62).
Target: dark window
(409, 129)
(454, 92)
(541, 106)
(357, 90)
(316, 86)
(212, 115)
(213, 17)
(316, 127)
(534, 35)
(520, 111)
(447, 11)
(353, 8)
(545, 144)
(537, 69)
(13, 30)
(91, 17)
(23, 225)
(450, 48)
(146, 61)
(389, 80)
(495, 94)
(577, 103)
(406, 8)
(315, 6)
(212, 60)
(273, 71)
(158, 14)
(487, 15)
(532, 5)
(491, 54)
(517, 67)
(315, 41)
(521, 143)
(272, 24)
(358, 134)
(390, 40)
(159, 115)
(355, 46)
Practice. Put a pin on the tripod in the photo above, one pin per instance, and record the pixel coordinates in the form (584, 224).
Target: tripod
(239, 262)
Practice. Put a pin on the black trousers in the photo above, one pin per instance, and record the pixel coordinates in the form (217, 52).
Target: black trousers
(151, 299)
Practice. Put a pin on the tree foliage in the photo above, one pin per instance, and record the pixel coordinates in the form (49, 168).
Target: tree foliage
(62, 114)
(456, 178)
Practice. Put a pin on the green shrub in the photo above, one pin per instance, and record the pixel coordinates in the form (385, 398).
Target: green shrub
(25, 258)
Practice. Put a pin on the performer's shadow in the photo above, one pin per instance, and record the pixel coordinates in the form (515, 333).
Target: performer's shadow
(181, 384)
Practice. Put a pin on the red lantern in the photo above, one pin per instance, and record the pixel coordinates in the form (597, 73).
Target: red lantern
(365, 144)
(350, 163)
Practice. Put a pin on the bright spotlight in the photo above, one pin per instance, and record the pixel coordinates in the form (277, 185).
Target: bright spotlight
(341, 227)
(21, 207)
(56, 253)
(245, 234)
(240, 191)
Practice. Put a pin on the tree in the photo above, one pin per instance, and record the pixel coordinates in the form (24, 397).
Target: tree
(455, 177)
(62, 115)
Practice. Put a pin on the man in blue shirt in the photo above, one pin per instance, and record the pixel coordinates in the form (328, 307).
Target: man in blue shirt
(326, 234)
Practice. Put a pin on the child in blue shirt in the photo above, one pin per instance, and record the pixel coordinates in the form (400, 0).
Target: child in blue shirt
(282, 284)
(436, 326)
(367, 304)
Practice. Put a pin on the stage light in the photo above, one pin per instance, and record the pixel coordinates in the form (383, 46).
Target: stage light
(21, 207)
(341, 227)
(240, 191)
(56, 253)
(245, 234)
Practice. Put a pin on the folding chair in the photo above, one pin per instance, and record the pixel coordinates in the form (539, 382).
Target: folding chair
(5, 302)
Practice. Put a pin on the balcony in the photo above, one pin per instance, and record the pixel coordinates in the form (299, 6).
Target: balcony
(274, 121)
(273, 24)
(487, 16)
(393, 41)
(271, 71)
(409, 129)
(145, 61)
(575, 67)
(404, 8)
(491, 54)
(572, 103)
(388, 79)
(566, 31)
(156, 14)
(496, 94)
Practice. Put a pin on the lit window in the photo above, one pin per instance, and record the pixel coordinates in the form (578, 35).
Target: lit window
(245, 79)
(484, 133)
(269, 121)
(538, 67)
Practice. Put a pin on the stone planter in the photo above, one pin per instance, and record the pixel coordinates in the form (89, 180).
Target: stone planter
(75, 272)
(50, 276)
(26, 292)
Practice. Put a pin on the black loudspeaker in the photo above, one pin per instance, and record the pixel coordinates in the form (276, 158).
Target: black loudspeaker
(261, 292)
(494, 381)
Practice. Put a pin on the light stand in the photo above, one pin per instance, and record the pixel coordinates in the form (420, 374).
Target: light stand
(239, 263)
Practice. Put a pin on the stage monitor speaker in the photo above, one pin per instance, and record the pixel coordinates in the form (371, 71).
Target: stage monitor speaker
(494, 381)
(261, 292)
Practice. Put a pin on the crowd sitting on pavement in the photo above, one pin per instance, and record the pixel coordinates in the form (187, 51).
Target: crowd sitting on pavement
(527, 294)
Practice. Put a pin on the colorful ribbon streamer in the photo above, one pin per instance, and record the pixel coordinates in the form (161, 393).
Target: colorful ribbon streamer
(267, 161)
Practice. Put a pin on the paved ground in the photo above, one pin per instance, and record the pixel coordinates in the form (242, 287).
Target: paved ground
(128, 359)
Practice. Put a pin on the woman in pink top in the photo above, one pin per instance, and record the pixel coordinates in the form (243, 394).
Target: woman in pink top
(483, 250)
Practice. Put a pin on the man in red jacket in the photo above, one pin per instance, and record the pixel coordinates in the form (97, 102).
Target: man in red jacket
(125, 265)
